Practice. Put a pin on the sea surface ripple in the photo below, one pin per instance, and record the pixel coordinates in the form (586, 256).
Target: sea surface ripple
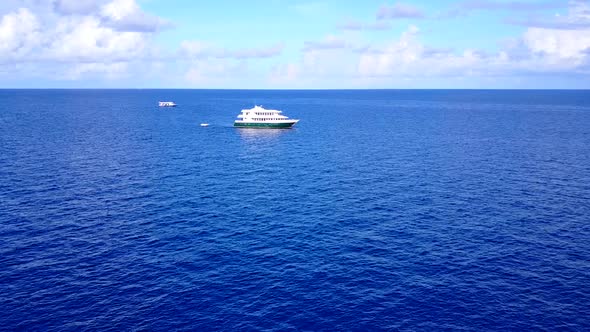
(382, 210)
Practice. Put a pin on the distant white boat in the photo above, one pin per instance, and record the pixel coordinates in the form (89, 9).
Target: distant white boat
(204, 125)
(166, 104)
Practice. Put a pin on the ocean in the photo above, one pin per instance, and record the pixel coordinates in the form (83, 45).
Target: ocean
(381, 210)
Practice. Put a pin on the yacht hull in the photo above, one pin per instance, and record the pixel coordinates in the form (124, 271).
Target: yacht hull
(262, 125)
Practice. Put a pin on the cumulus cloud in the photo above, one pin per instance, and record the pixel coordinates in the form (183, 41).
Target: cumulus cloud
(399, 10)
(407, 57)
(77, 38)
(121, 15)
(394, 58)
(565, 38)
(114, 39)
(333, 61)
(19, 34)
(86, 40)
(538, 51)
(564, 44)
(543, 51)
(126, 15)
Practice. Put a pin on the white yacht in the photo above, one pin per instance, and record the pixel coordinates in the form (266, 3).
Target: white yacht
(258, 117)
(167, 104)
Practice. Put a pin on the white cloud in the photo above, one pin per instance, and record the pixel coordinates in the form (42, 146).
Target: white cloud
(538, 51)
(77, 38)
(544, 51)
(395, 58)
(19, 34)
(407, 59)
(84, 39)
(563, 44)
(567, 41)
(115, 39)
(121, 15)
(126, 15)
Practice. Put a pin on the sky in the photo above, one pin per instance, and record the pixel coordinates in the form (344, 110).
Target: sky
(281, 44)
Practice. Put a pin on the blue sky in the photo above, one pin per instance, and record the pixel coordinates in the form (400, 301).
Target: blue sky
(294, 44)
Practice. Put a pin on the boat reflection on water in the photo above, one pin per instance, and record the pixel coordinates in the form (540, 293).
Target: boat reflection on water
(252, 132)
(259, 135)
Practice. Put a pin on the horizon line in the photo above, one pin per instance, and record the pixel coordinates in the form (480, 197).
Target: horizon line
(309, 89)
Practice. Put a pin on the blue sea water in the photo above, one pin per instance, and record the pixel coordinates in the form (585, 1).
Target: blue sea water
(382, 210)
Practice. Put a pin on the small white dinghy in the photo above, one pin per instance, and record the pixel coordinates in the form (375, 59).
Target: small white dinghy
(204, 125)
(167, 104)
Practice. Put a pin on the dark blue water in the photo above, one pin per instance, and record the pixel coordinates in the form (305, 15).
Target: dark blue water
(381, 210)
